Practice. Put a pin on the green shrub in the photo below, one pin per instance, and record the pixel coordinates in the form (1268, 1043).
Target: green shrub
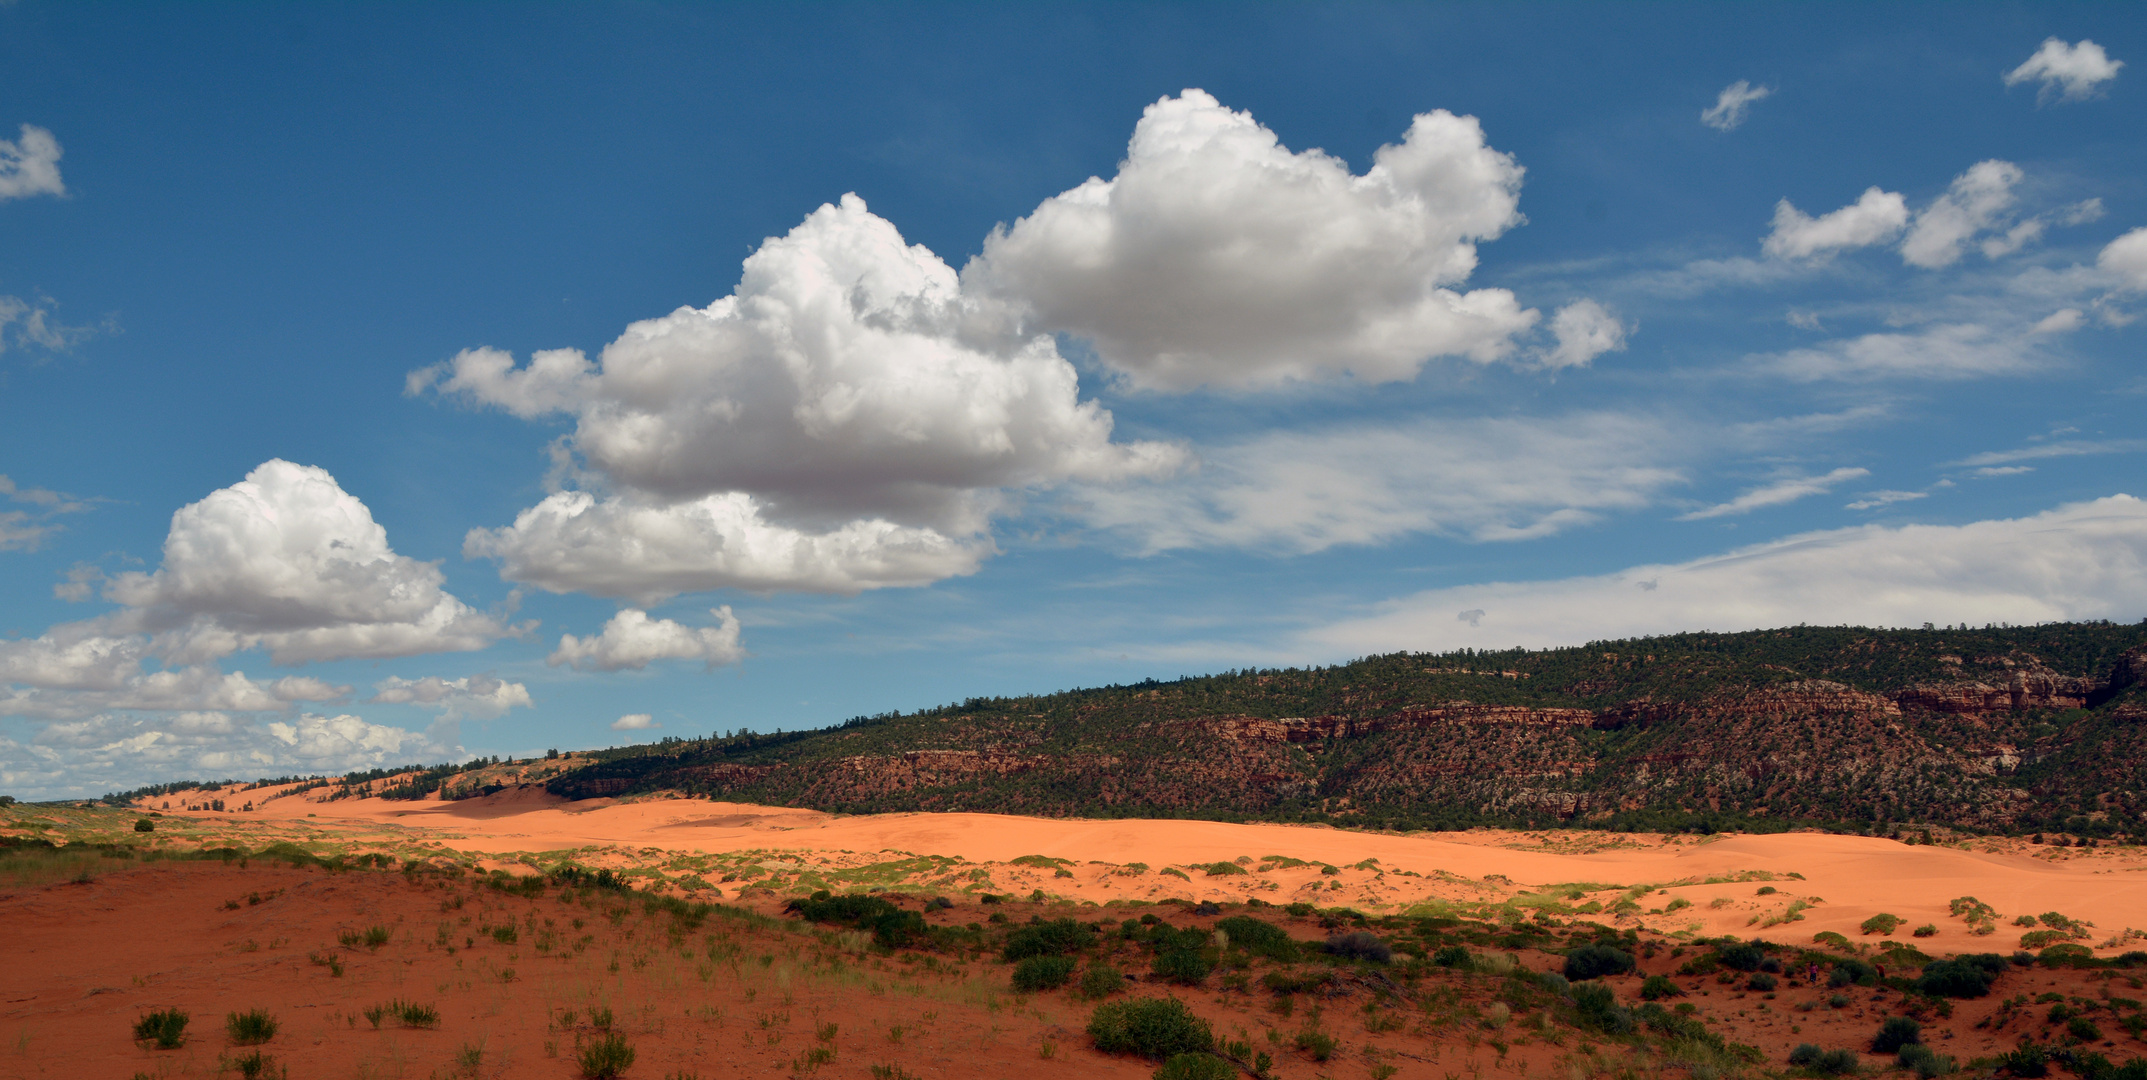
(144, 825)
(1184, 966)
(1043, 973)
(1596, 961)
(1658, 987)
(1223, 869)
(2027, 1062)
(1926, 930)
(2083, 1029)
(1101, 981)
(1155, 1028)
(1851, 972)
(257, 1066)
(1958, 978)
(1831, 940)
(1805, 1054)
(375, 936)
(1196, 1067)
(2066, 955)
(165, 1027)
(506, 935)
(1317, 1043)
(1836, 1062)
(1048, 939)
(1881, 923)
(250, 1028)
(1453, 956)
(1259, 937)
(606, 1057)
(1741, 956)
(1762, 983)
(1895, 1033)
(1359, 945)
(1925, 1062)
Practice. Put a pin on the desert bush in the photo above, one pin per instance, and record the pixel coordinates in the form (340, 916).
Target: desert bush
(1048, 939)
(1223, 869)
(1957, 978)
(375, 936)
(2028, 1061)
(1184, 966)
(1453, 956)
(1259, 937)
(1805, 1054)
(1196, 1067)
(144, 825)
(1317, 1043)
(1741, 955)
(1359, 945)
(166, 1028)
(506, 935)
(1924, 1061)
(1598, 1007)
(1657, 987)
(1596, 961)
(257, 1066)
(604, 1058)
(1836, 1062)
(1043, 973)
(1851, 972)
(2066, 955)
(1831, 940)
(2083, 1029)
(1895, 1033)
(250, 1028)
(1926, 930)
(1882, 923)
(1101, 981)
(1155, 1028)
(1762, 982)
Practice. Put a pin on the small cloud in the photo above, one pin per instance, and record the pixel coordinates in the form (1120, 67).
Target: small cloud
(30, 166)
(1730, 106)
(2080, 213)
(2004, 470)
(639, 721)
(2069, 72)
(2061, 322)
(1473, 618)
(1804, 320)
(2069, 448)
(82, 578)
(1585, 330)
(1872, 500)
(1775, 494)
(1876, 217)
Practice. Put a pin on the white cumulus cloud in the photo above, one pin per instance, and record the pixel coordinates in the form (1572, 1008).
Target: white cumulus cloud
(30, 165)
(1216, 256)
(1874, 218)
(847, 419)
(471, 695)
(107, 752)
(1584, 330)
(288, 560)
(1777, 493)
(1974, 202)
(632, 640)
(2083, 560)
(2125, 259)
(1730, 106)
(2067, 72)
(635, 722)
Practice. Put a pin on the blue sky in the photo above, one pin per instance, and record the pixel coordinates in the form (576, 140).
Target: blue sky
(405, 383)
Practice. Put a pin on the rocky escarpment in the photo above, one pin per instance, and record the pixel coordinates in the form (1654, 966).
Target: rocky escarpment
(2014, 728)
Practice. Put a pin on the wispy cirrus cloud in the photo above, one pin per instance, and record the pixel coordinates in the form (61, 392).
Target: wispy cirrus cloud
(1778, 493)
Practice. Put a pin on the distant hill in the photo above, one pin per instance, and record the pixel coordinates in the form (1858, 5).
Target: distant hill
(2009, 729)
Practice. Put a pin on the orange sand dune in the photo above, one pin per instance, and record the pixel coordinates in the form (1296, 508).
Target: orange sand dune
(1843, 879)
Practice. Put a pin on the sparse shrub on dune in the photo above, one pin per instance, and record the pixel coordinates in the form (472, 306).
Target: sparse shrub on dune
(1359, 945)
(257, 1066)
(1882, 923)
(1048, 939)
(1043, 973)
(250, 1028)
(1196, 1067)
(1154, 1028)
(1657, 987)
(165, 1028)
(1101, 981)
(1596, 961)
(605, 1057)
(1895, 1033)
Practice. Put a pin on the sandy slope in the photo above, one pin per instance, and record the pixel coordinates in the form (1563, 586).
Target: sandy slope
(1844, 879)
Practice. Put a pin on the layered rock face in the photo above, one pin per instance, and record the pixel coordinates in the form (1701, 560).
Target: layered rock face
(1857, 730)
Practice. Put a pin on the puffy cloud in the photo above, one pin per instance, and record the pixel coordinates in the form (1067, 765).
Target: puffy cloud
(2126, 259)
(288, 560)
(474, 695)
(1777, 493)
(2079, 561)
(844, 420)
(2068, 72)
(633, 640)
(30, 165)
(1974, 202)
(1874, 218)
(639, 721)
(1584, 330)
(1218, 257)
(1730, 106)
(1484, 480)
(642, 549)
